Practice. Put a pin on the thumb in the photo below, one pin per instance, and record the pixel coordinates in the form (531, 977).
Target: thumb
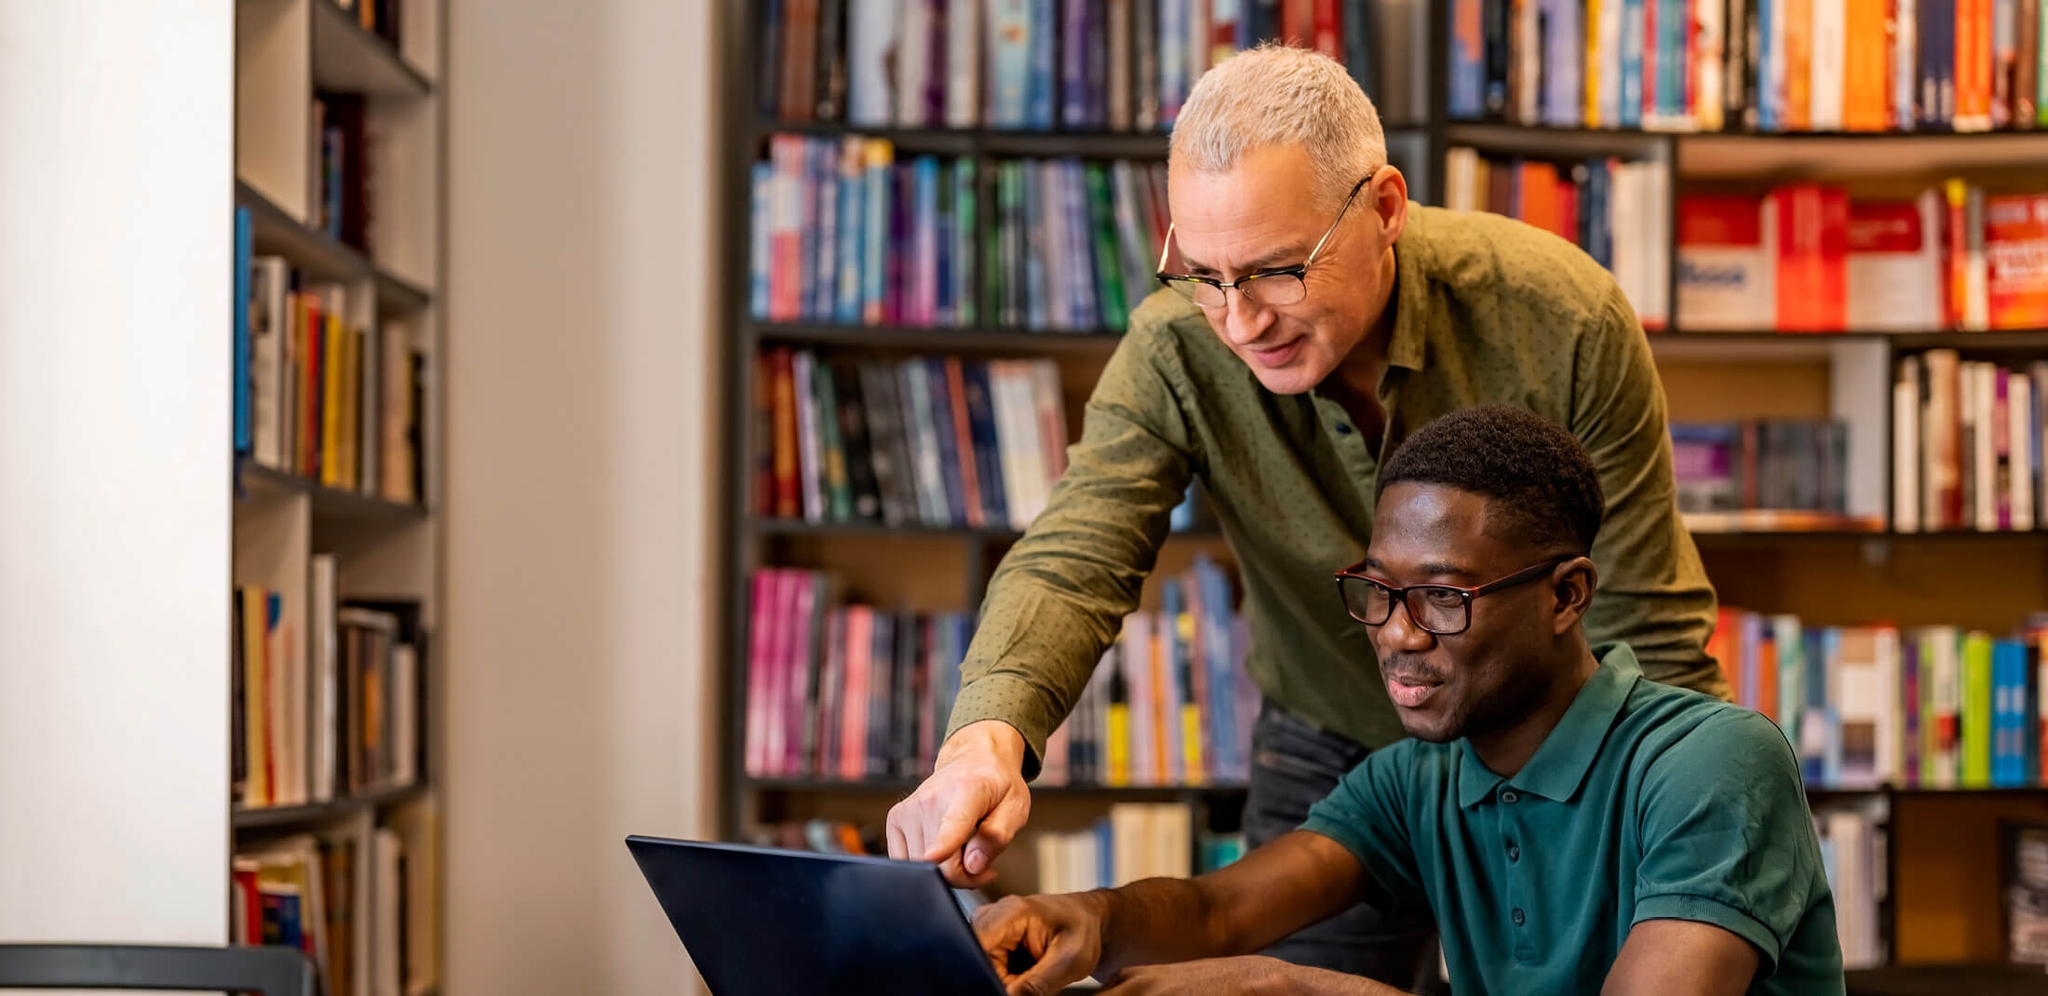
(997, 830)
(962, 814)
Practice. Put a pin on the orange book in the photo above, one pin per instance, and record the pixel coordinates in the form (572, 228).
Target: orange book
(1866, 87)
(963, 438)
(1812, 225)
(1798, 111)
(2016, 260)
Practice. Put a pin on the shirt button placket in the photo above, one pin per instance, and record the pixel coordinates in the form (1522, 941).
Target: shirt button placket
(1511, 834)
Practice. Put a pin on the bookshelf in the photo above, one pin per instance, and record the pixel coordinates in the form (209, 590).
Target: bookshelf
(335, 478)
(1936, 903)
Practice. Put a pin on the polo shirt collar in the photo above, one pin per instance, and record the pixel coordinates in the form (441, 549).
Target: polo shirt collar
(1561, 762)
(1411, 294)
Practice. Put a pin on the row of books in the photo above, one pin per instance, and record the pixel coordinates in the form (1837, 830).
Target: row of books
(844, 692)
(1137, 840)
(1092, 65)
(940, 441)
(322, 391)
(334, 716)
(843, 232)
(1754, 65)
(359, 901)
(1870, 706)
(1170, 702)
(1970, 445)
(1776, 464)
(1611, 208)
(1808, 257)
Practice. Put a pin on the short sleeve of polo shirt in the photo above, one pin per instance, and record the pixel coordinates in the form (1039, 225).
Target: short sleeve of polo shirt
(1726, 834)
(1368, 813)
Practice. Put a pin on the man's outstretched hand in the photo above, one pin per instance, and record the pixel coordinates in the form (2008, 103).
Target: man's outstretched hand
(971, 807)
(1039, 945)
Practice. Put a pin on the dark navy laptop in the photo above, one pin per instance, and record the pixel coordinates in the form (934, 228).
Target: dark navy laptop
(768, 922)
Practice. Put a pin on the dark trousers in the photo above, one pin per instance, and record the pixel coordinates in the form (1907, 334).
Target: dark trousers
(1294, 765)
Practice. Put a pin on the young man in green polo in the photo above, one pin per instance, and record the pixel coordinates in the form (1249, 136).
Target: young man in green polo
(1312, 318)
(1575, 827)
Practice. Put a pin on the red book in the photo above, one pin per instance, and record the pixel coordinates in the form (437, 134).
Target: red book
(1813, 223)
(1328, 29)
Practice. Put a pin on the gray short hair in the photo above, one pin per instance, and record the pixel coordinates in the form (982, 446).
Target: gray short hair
(1279, 95)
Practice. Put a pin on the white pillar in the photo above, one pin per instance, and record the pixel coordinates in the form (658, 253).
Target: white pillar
(116, 160)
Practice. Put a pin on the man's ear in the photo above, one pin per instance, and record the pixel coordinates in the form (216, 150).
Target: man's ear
(1391, 204)
(1574, 582)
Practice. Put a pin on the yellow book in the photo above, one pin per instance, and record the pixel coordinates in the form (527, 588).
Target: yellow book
(1117, 732)
(255, 696)
(1190, 710)
(351, 407)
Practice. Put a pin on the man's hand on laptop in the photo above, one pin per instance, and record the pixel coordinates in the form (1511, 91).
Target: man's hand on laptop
(968, 811)
(1039, 945)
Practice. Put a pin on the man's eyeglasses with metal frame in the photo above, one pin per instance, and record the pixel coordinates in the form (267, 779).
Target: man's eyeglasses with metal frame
(1280, 286)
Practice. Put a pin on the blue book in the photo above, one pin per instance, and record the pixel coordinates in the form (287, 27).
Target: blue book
(988, 453)
(853, 190)
(243, 251)
(760, 245)
(1467, 64)
(1632, 63)
(1038, 95)
(874, 283)
(2008, 714)
(1080, 249)
(1074, 64)
(823, 162)
(940, 414)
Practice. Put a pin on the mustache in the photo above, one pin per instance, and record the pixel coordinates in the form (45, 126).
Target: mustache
(1410, 670)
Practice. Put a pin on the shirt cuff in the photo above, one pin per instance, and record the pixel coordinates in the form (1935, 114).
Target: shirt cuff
(1012, 700)
(1701, 909)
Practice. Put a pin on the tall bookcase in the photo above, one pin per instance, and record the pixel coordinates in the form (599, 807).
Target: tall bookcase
(339, 138)
(1939, 900)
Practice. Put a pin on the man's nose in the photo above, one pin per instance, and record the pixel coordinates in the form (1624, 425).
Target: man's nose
(1244, 320)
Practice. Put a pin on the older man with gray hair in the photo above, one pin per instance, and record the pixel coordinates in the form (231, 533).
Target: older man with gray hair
(1310, 319)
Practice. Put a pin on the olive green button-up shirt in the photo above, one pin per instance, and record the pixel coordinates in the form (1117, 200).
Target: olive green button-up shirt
(1487, 309)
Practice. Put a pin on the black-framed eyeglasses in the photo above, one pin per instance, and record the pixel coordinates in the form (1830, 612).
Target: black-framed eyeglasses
(1280, 286)
(1442, 609)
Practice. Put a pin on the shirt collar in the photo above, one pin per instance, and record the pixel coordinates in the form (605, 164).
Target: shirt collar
(1411, 293)
(1561, 762)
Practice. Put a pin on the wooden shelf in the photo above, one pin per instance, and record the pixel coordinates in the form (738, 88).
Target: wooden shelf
(798, 527)
(967, 339)
(249, 818)
(1008, 142)
(322, 257)
(329, 504)
(350, 58)
(906, 786)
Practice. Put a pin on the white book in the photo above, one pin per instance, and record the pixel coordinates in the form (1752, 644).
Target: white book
(326, 677)
(963, 61)
(269, 326)
(1137, 663)
(387, 895)
(1828, 67)
(1984, 400)
(912, 62)
(404, 714)
(1906, 454)
(1610, 63)
(871, 33)
(1905, 63)
(1893, 269)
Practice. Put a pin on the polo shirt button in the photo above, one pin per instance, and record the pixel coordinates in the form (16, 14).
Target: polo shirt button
(1510, 797)
(1343, 429)
(1514, 853)
(1518, 917)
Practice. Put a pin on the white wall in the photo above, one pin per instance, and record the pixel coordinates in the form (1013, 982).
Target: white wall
(116, 145)
(580, 442)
